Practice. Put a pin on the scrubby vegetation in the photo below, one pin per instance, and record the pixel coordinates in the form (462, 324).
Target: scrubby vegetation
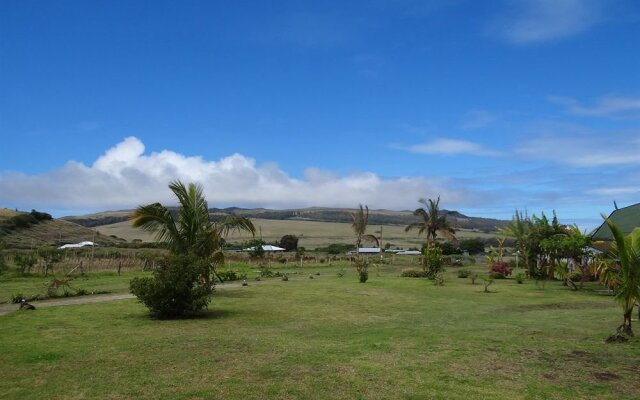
(23, 220)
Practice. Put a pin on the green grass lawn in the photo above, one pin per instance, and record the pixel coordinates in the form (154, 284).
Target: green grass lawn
(13, 284)
(328, 338)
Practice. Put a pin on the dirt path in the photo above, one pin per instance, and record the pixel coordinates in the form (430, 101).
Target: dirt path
(6, 309)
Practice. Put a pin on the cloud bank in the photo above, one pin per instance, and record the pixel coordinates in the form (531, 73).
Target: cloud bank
(124, 176)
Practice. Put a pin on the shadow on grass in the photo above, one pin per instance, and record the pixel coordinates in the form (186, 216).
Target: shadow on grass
(234, 293)
(209, 314)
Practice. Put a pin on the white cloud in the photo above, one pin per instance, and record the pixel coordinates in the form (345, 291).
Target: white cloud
(615, 191)
(615, 107)
(125, 177)
(476, 119)
(533, 21)
(451, 147)
(587, 151)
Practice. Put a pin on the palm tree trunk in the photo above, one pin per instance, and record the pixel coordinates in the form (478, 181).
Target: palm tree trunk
(625, 328)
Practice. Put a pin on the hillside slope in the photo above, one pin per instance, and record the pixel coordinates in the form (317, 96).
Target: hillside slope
(52, 232)
(318, 214)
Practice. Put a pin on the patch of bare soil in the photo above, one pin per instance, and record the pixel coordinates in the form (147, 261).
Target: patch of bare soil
(605, 376)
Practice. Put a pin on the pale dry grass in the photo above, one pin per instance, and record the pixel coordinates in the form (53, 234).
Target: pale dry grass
(311, 234)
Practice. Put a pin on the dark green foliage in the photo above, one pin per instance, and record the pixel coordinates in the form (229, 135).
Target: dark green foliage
(23, 220)
(413, 273)
(362, 267)
(336, 248)
(256, 248)
(472, 246)
(289, 242)
(519, 277)
(231, 275)
(438, 279)
(175, 289)
(432, 261)
(265, 272)
(25, 262)
(448, 249)
(463, 273)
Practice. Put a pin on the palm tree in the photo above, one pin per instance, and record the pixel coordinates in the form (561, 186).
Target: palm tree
(623, 275)
(359, 222)
(190, 231)
(431, 222)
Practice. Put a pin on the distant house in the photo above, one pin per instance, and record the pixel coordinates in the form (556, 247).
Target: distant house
(266, 248)
(367, 250)
(409, 253)
(77, 245)
(627, 218)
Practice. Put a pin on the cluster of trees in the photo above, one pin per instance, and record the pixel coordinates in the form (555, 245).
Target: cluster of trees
(542, 245)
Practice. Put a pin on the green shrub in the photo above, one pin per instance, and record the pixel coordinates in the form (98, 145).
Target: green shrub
(362, 266)
(497, 275)
(463, 273)
(265, 272)
(519, 277)
(17, 298)
(432, 261)
(414, 273)
(438, 280)
(231, 276)
(363, 276)
(175, 289)
(487, 282)
(473, 278)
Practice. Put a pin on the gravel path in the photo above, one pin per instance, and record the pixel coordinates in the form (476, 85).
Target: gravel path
(6, 309)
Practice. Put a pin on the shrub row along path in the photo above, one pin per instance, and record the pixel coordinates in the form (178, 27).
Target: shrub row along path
(92, 299)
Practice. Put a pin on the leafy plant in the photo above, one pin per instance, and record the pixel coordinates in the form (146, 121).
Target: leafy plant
(413, 273)
(175, 289)
(463, 273)
(473, 278)
(438, 279)
(362, 267)
(621, 271)
(519, 277)
(432, 261)
(487, 282)
(231, 275)
(500, 270)
(190, 231)
(431, 222)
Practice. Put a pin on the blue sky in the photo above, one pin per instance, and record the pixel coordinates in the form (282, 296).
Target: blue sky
(495, 106)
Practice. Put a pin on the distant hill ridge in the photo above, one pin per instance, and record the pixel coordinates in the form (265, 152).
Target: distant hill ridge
(18, 230)
(320, 214)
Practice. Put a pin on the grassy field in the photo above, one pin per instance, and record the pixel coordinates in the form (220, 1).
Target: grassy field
(311, 234)
(31, 285)
(328, 338)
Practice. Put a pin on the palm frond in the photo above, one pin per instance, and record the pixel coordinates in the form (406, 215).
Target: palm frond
(156, 218)
(234, 224)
